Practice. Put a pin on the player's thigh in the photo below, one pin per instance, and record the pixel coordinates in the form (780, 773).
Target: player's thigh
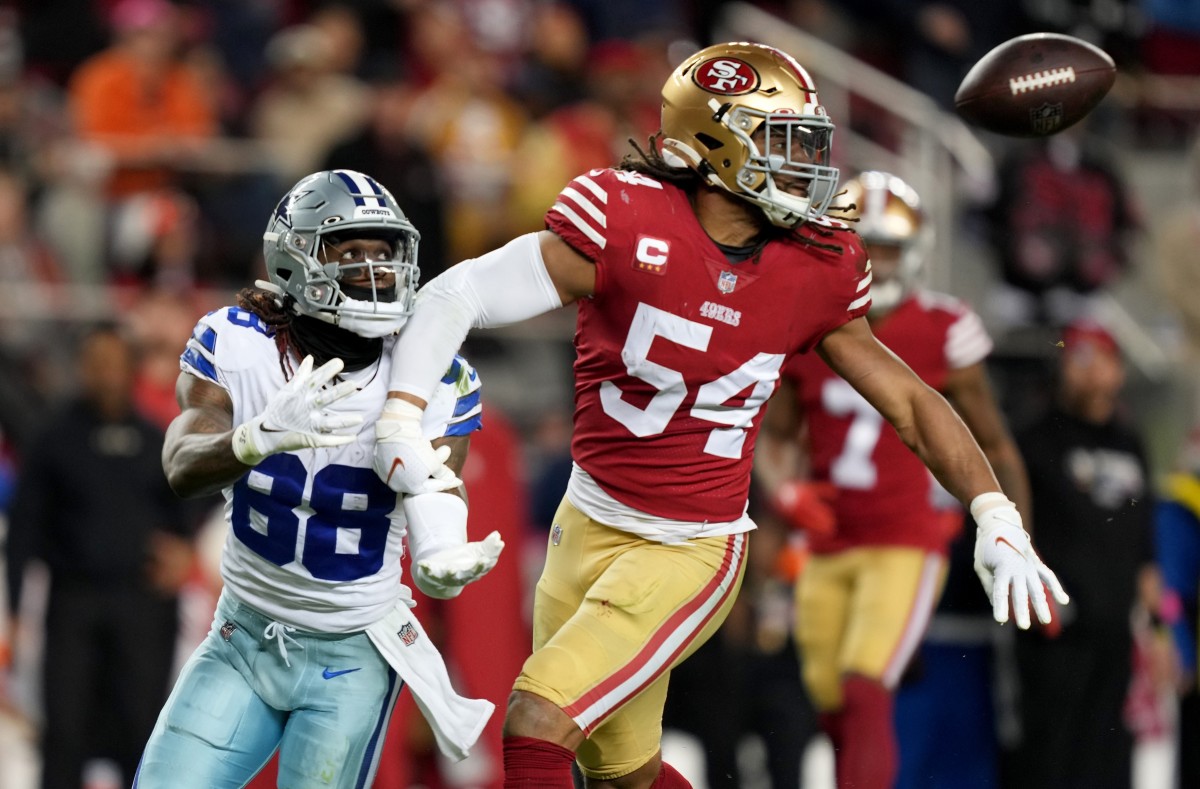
(578, 550)
(214, 731)
(606, 665)
(895, 593)
(334, 736)
(822, 607)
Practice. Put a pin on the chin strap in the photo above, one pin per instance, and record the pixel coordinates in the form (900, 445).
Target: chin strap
(372, 320)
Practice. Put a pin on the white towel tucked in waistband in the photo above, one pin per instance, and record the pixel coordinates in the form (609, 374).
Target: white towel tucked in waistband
(456, 721)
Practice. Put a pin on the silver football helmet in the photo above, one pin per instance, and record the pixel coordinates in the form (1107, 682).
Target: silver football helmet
(321, 211)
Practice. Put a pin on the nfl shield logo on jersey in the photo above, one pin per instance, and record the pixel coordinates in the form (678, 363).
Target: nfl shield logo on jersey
(408, 634)
(727, 282)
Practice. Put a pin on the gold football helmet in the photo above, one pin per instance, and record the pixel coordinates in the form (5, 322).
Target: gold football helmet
(888, 214)
(747, 118)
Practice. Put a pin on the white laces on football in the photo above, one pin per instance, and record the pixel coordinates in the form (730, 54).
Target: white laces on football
(279, 632)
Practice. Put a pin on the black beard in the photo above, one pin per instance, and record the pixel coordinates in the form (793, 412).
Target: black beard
(326, 341)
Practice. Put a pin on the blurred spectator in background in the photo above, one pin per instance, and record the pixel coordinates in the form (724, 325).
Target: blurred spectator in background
(1061, 224)
(58, 35)
(878, 525)
(92, 504)
(552, 74)
(464, 117)
(929, 45)
(1177, 547)
(25, 258)
(152, 118)
(309, 105)
(1092, 511)
(593, 132)
(634, 20)
(1178, 267)
(388, 146)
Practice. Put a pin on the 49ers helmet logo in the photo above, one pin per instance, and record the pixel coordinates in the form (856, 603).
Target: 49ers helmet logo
(726, 75)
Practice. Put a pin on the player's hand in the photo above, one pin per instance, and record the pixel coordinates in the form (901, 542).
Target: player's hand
(1006, 563)
(445, 573)
(404, 458)
(807, 506)
(297, 417)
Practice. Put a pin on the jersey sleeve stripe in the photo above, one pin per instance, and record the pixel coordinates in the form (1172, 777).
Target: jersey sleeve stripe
(586, 205)
(452, 372)
(967, 342)
(465, 427)
(207, 339)
(592, 187)
(192, 361)
(580, 224)
(860, 301)
(466, 403)
(865, 282)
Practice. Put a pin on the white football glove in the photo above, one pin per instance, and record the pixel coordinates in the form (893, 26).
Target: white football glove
(404, 458)
(1007, 564)
(445, 573)
(296, 416)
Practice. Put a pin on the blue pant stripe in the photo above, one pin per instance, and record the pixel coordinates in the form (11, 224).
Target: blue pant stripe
(381, 726)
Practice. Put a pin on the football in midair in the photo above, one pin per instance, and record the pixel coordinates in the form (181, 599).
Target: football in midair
(1035, 85)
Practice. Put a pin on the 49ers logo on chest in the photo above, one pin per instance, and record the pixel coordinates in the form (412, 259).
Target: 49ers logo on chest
(727, 76)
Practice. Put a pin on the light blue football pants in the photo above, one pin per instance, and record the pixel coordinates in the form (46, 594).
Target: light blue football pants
(237, 700)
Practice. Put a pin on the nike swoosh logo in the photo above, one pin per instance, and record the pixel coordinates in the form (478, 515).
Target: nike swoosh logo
(396, 462)
(327, 674)
(1006, 542)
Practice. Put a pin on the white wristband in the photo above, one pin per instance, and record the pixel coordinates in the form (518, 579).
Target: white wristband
(988, 501)
(245, 448)
(436, 521)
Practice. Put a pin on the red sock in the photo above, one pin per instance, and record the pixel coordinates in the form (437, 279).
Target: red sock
(831, 724)
(669, 778)
(530, 763)
(868, 757)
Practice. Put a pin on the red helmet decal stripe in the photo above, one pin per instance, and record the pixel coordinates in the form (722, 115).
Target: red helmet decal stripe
(806, 81)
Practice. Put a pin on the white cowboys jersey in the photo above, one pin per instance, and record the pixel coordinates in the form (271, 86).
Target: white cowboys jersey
(315, 536)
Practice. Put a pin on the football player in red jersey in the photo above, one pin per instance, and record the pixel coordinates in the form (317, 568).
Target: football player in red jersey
(699, 267)
(871, 583)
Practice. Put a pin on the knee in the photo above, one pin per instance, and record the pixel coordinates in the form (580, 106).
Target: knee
(530, 715)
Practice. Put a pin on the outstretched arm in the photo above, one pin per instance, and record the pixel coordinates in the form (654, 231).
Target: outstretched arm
(922, 417)
(969, 392)
(1005, 560)
(530, 275)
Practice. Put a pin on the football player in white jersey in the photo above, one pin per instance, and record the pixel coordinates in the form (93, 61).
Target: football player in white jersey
(313, 639)
(699, 268)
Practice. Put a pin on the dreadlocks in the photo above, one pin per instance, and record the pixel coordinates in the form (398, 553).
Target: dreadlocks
(650, 162)
(300, 335)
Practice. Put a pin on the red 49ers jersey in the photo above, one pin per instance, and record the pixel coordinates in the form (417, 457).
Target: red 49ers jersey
(885, 494)
(678, 349)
